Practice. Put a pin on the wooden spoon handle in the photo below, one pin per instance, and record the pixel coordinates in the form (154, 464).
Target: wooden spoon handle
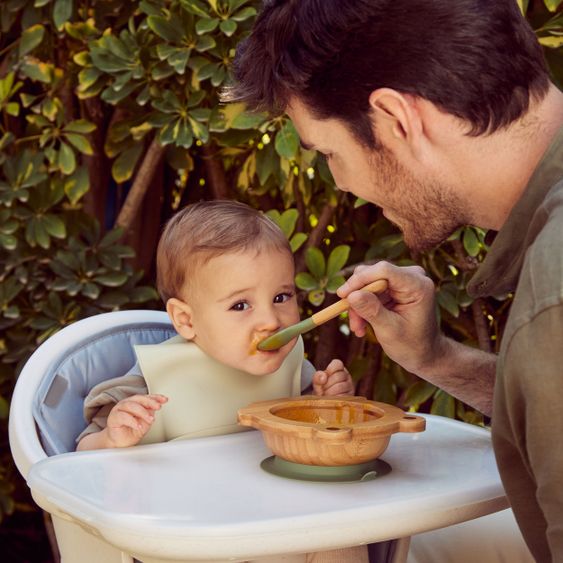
(340, 306)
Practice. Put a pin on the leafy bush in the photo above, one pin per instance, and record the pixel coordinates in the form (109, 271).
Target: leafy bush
(111, 118)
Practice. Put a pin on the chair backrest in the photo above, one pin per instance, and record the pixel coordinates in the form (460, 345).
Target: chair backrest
(57, 377)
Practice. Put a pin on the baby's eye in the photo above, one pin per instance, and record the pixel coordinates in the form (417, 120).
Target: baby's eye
(283, 297)
(240, 306)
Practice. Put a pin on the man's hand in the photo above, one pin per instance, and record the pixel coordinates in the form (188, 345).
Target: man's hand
(334, 380)
(403, 317)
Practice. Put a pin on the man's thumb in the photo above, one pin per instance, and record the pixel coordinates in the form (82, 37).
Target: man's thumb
(366, 304)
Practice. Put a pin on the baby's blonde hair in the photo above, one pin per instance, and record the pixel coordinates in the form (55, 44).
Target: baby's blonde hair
(207, 229)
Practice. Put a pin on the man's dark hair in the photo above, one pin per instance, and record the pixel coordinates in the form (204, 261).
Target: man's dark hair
(476, 59)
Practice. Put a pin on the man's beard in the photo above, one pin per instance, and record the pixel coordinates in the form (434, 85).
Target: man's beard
(426, 212)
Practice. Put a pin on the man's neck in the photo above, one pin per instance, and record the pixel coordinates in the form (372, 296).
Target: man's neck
(501, 164)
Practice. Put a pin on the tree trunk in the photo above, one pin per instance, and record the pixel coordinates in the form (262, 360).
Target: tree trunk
(140, 186)
(215, 173)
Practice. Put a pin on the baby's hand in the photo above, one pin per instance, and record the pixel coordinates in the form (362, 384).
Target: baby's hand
(334, 380)
(131, 419)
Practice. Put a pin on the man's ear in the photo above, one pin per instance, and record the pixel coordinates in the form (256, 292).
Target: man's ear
(397, 119)
(180, 314)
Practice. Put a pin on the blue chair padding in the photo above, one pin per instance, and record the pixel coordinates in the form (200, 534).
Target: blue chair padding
(58, 405)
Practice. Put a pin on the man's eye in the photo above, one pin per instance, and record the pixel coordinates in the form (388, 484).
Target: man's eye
(240, 306)
(283, 297)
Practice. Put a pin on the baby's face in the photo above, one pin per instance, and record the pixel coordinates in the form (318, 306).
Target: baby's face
(237, 300)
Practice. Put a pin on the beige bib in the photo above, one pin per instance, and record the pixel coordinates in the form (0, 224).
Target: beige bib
(204, 395)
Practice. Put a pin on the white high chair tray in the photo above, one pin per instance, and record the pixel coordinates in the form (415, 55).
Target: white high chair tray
(208, 498)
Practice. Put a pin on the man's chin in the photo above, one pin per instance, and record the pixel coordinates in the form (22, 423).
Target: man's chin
(419, 243)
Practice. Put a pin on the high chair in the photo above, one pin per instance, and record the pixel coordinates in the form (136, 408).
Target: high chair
(46, 409)
(46, 417)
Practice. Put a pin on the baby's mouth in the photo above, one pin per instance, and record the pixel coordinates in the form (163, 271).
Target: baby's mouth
(256, 339)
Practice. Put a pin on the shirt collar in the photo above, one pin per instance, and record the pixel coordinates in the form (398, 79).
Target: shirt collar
(500, 270)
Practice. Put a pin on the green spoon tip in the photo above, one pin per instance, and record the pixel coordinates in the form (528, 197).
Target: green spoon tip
(282, 337)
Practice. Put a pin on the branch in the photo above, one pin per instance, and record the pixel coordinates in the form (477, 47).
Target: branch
(316, 235)
(215, 173)
(481, 326)
(144, 176)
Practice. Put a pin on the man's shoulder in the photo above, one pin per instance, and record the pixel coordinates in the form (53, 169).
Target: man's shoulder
(541, 278)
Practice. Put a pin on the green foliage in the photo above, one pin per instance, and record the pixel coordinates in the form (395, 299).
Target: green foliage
(88, 87)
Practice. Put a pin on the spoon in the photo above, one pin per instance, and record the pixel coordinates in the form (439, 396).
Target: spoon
(282, 337)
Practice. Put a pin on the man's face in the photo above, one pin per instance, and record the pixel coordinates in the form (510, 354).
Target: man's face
(425, 208)
(240, 298)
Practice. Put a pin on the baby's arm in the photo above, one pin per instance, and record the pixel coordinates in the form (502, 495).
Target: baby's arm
(128, 421)
(334, 380)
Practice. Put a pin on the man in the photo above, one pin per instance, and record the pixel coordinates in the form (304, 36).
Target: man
(441, 112)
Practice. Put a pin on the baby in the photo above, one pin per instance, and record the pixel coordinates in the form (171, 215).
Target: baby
(226, 273)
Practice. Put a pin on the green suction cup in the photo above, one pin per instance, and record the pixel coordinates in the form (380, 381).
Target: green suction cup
(339, 473)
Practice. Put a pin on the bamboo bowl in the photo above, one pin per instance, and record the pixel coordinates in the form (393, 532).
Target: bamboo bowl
(325, 431)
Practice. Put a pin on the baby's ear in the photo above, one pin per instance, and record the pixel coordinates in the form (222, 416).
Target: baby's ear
(180, 314)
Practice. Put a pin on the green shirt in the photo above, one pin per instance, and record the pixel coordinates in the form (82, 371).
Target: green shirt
(527, 257)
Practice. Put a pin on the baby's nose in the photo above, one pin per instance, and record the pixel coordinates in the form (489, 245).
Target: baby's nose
(268, 321)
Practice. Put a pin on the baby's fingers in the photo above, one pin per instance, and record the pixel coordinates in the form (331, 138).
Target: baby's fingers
(124, 419)
(334, 366)
(319, 381)
(136, 409)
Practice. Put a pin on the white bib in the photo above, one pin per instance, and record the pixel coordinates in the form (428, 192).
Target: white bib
(204, 395)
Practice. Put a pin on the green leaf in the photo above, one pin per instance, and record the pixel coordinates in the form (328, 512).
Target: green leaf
(67, 159)
(37, 70)
(418, 393)
(551, 42)
(62, 11)
(315, 261)
(13, 108)
(244, 14)
(228, 27)
(143, 294)
(552, 5)
(204, 43)
(246, 120)
(199, 130)
(80, 142)
(115, 279)
(90, 290)
(124, 165)
(287, 141)
(79, 126)
(54, 226)
(337, 259)
(297, 241)
(6, 140)
(471, 242)
(205, 25)
(287, 221)
(334, 283)
(523, 5)
(448, 302)
(77, 184)
(111, 237)
(195, 7)
(167, 29)
(31, 38)
(443, 405)
(8, 242)
(266, 163)
(304, 280)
